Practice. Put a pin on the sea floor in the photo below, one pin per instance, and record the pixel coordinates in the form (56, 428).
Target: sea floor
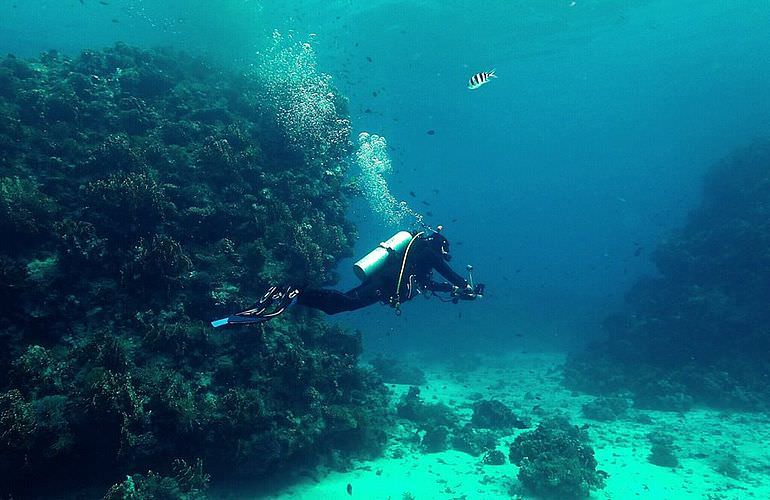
(721, 455)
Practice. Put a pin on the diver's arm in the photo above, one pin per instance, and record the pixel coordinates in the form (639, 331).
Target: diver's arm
(435, 286)
(447, 272)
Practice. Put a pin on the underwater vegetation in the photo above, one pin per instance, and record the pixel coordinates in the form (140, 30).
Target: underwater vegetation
(662, 449)
(143, 192)
(699, 332)
(394, 372)
(556, 460)
(492, 414)
(442, 428)
(606, 409)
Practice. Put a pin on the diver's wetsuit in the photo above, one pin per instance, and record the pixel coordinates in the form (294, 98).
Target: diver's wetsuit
(424, 256)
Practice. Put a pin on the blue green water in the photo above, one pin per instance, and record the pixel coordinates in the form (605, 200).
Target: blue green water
(588, 146)
(562, 174)
(555, 181)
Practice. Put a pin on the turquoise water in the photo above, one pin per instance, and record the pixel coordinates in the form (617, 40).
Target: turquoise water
(590, 143)
(556, 180)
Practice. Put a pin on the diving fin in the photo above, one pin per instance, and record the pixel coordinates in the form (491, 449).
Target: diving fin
(220, 322)
(281, 299)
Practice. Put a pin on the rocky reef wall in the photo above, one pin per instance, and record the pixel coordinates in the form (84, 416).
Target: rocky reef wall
(698, 333)
(142, 193)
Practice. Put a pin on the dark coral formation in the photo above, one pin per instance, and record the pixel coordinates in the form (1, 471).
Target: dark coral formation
(435, 419)
(443, 428)
(606, 409)
(556, 460)
(494, 457)
(662, 450)
(143, 193)
(394, 371)
(492, 414)
(189, 482)
(699, 332)
(473, 441)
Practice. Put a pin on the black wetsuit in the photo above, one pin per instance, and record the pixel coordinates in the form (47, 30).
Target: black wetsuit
(424, 256)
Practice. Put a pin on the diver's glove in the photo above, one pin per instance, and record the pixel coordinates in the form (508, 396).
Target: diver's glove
(275, 301)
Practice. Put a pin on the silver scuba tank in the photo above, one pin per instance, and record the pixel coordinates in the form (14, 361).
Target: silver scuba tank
(372, 262)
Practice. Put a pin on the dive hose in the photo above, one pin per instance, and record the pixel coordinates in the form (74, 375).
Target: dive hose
(397, 302)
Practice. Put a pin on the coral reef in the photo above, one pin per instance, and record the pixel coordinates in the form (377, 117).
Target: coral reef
(393, 371)
(697, 333)
(438, 427)
(435, 439)
(662, 450)
(473, 441)
(606, 409)
(189, 482)
(495, 415)
(556, 461)
(494, 457)
(412, 407)
(143, 193)
(436, 420)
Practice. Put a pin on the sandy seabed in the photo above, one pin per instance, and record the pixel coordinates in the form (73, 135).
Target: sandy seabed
(531, 385)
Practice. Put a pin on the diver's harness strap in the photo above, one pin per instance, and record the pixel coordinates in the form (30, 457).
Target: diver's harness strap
(395, 301)
(472, 293)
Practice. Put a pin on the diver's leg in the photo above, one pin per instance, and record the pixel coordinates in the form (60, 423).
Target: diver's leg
(334, 301)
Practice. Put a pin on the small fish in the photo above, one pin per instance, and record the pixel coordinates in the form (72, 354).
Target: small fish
(349, 489)
(431, 132)
(411, 193)
(425, 203)
(368, 58)
(480, 79)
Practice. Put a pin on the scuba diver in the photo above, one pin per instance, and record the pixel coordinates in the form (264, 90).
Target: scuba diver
(396, 271)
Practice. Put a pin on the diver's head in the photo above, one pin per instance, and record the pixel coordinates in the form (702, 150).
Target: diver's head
(440, 243)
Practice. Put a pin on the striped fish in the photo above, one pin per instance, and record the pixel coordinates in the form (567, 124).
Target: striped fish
(480, 79)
